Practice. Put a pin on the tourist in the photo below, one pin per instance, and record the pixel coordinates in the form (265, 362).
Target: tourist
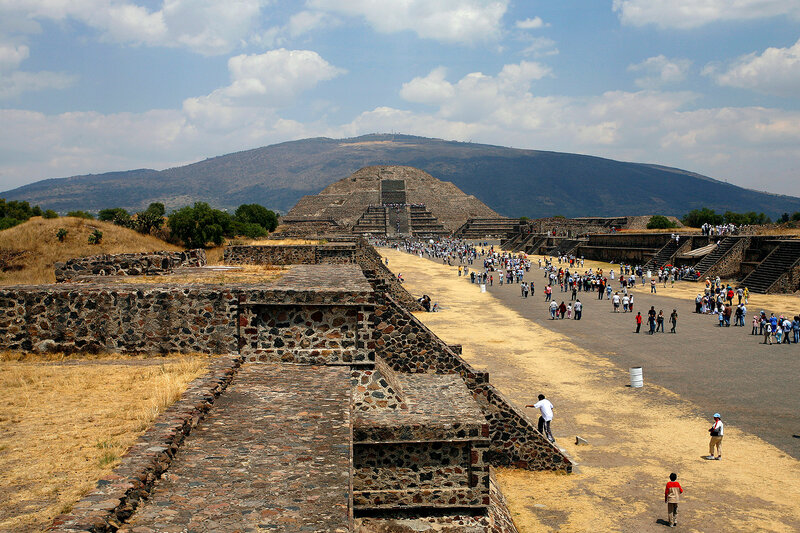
(562, 309)
(651, 320)
(546, 409)
(625, 301)
(755, 325)
(766, 327)
(652, 286)
(673, 319)
(579, 311)
(796, 329)
(548, 293)
(615, 302)
(630, 303)
(569, 311)
(716, 432)
(553, 309)
(660, 321)
(672, 495)
(787, 331)
(638, 321)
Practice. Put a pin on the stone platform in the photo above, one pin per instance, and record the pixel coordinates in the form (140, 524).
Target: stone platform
(273, 455)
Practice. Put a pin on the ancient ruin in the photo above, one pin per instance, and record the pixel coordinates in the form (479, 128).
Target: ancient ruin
(325, 376)
(387, 200)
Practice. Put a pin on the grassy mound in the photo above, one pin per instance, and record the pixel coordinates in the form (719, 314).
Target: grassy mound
(29, 251)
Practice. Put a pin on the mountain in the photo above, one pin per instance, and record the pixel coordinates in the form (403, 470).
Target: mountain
(511, 181)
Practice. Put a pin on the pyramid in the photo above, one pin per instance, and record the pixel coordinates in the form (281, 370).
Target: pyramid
(376, 191)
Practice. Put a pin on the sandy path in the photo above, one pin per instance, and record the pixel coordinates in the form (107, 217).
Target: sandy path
(637, 437)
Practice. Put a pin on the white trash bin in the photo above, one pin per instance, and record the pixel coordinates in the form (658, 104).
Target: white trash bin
(483, 287)
(636, 377)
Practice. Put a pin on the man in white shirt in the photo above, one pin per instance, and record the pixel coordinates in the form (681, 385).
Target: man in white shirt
(546, 409)
(716, 432)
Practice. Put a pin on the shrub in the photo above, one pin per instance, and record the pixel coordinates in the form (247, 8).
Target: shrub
(250, 230)
(660, 222)
(697, 217)
(80, 214)
(13, 213)
(200, 224)
(96, 237)
(111, 214)
(257, 214)
(61, 234)
(50, 214)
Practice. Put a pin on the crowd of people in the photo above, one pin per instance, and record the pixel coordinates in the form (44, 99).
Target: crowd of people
(719, 229)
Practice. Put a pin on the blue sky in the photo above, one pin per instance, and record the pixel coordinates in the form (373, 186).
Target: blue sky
(711, 86)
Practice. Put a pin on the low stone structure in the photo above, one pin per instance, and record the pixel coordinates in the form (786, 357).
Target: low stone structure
(295, 254)
(139, 264)
(421, 429)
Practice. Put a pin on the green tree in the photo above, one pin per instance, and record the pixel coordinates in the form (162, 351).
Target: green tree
(697, 217)
(660, 222)
(150, 219)
(112, 213)
(796, 216)
(14, 212)
(80, 214)
(257, 214)
(50, 214)
(199, 224)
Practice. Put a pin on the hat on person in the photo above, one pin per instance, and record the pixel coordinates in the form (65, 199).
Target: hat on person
(717, 415)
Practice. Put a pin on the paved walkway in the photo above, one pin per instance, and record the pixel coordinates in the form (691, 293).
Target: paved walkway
(719, 369)
(273, 455)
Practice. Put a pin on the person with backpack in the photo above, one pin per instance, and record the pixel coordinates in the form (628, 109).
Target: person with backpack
(716, 432)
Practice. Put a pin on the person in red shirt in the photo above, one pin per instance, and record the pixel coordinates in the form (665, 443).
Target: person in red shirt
(672, 495)
(638, 321)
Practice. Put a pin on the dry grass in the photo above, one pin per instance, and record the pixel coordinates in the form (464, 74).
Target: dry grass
(278, 242)
(37, 237)
(64, 426)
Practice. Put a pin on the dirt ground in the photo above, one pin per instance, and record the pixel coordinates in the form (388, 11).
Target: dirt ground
(636, 436)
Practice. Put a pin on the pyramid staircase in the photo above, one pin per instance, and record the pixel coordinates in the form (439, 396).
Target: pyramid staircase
(564, 247)
(780, 261)
(424, 223)
(374, 221)
(533, 246)
(709, 261)
(663, 256)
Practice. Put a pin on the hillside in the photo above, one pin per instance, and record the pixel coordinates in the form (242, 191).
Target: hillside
(29, 251)
(513, 182)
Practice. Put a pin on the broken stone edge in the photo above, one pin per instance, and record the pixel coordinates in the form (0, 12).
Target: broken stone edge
(117, 495)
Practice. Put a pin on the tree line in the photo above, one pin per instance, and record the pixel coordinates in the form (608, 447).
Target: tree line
(195, 226)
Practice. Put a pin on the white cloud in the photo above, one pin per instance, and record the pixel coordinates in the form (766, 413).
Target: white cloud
(455, 21)
(207, 27)
(659, 70)
(12, 55)
(19, 82)
(685, 14)
(432, 89)
(530, 24)
(540, 47)
(307, 21)
(775, 71)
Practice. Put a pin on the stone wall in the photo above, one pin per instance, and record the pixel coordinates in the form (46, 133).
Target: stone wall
(122, 318)
(408, 346)
(381, 278)
(140, 264)
(331, 334)
(295, 254)
(185, 318)
(788, 283)
(729, 265)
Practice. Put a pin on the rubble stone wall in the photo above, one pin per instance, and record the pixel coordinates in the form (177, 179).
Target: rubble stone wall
(294, 254)
(729, 265)
(307, 334)
(787, 283)
(408, 346)
(148, 264)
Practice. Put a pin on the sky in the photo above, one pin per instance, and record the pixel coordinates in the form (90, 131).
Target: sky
(710, 86)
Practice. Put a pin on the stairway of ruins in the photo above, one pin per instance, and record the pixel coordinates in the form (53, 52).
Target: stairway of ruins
(565, 247)
(663, 256)
(478, 228)
(266, 458)
(397, 220)
(533, 247)
(519, 245)
(424, 224)
(708, 262)
(777, 263)
(372, 221)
